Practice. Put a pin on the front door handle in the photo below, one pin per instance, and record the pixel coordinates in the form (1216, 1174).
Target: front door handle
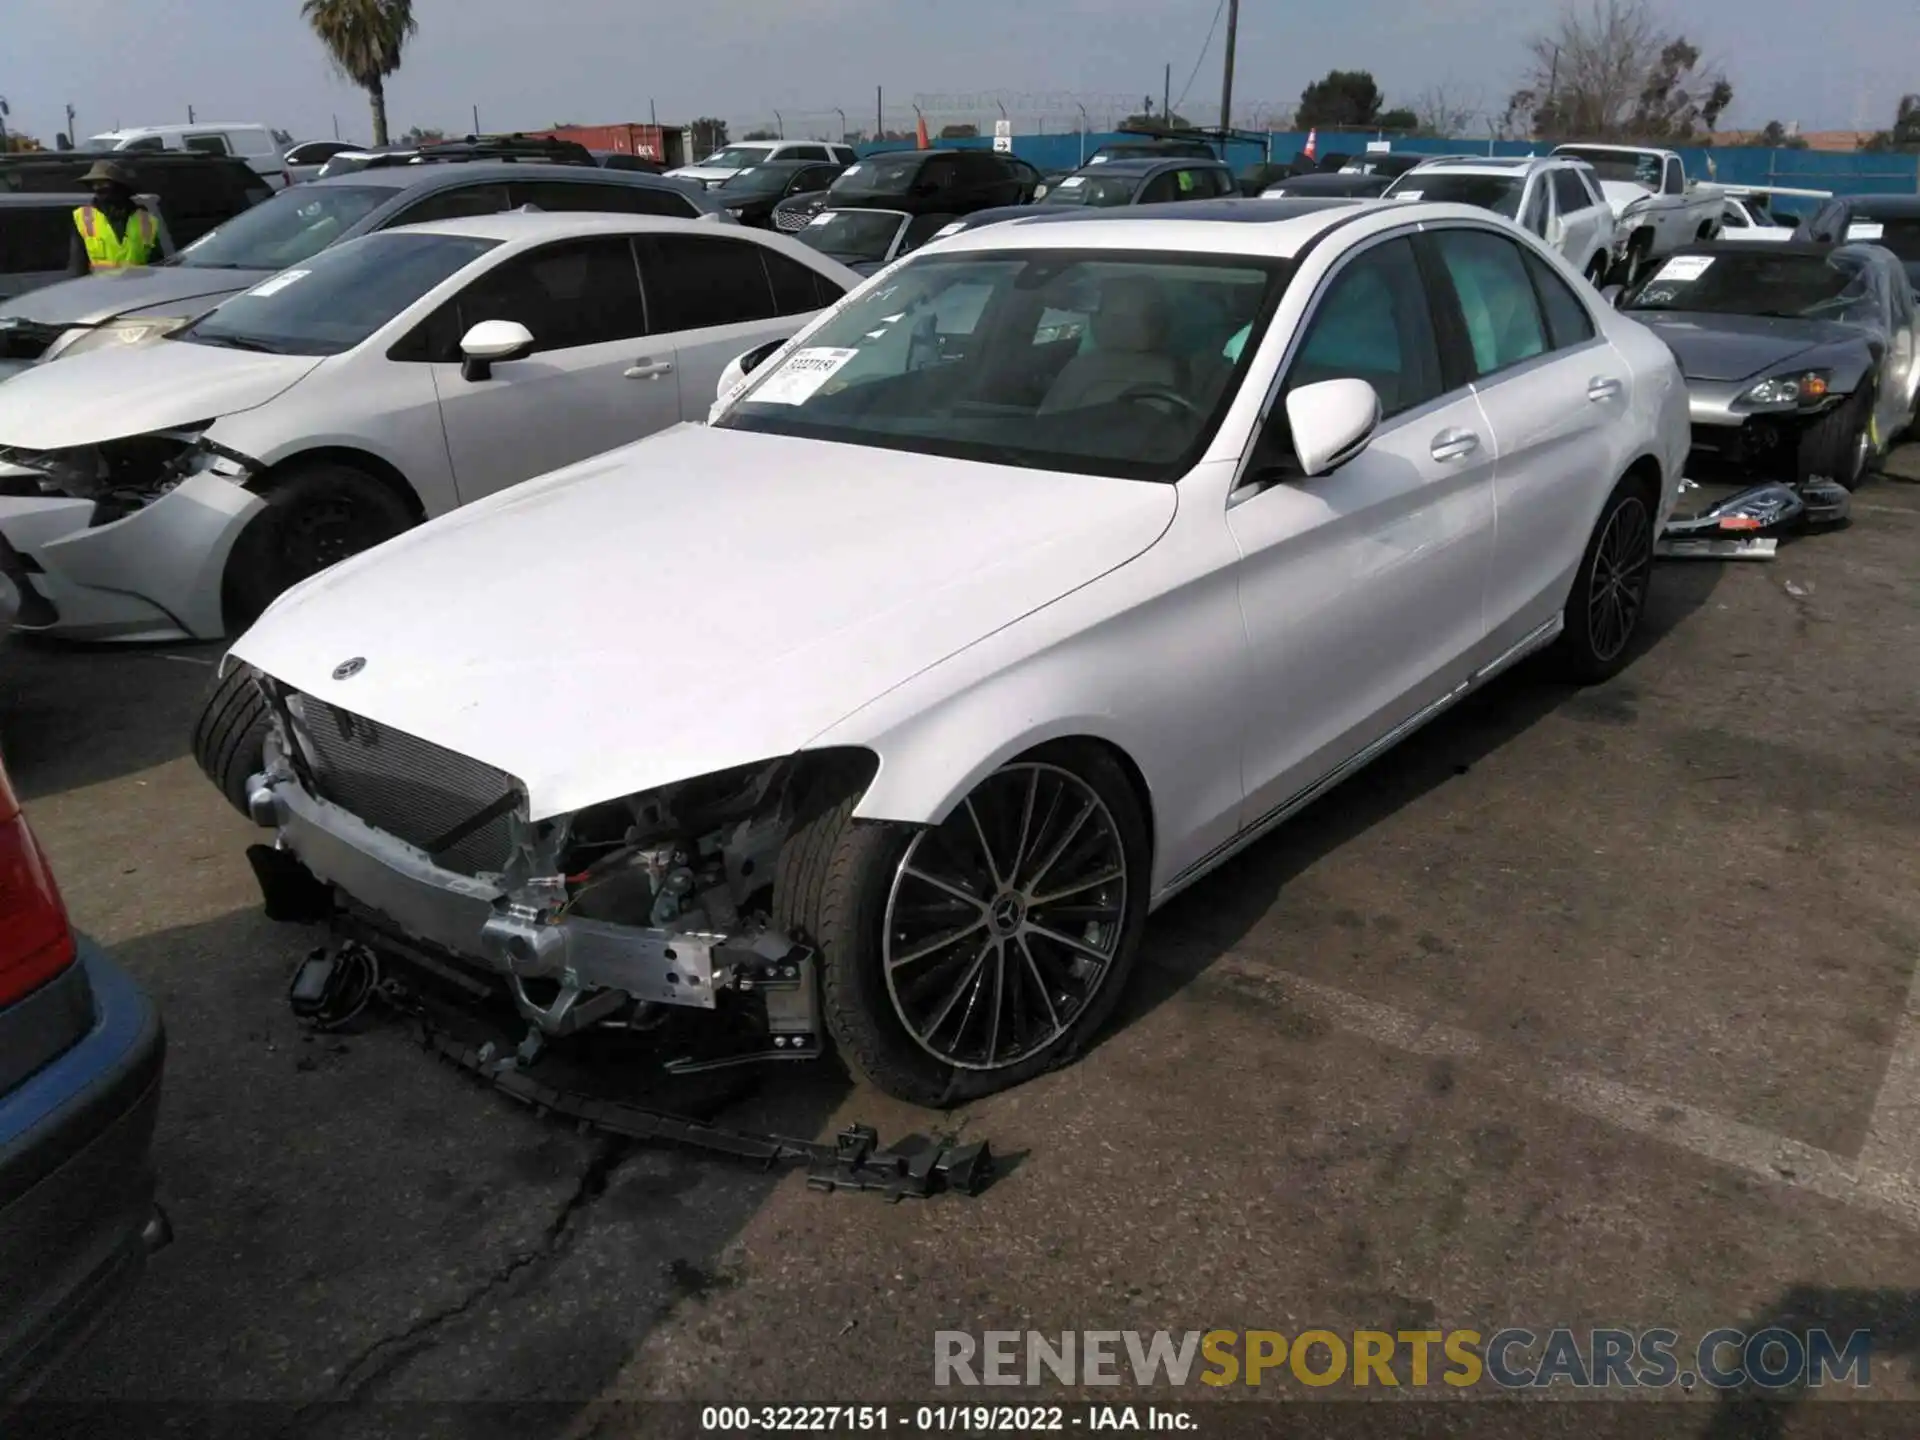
(1451, 445)
(1604, 387)
(647, 368)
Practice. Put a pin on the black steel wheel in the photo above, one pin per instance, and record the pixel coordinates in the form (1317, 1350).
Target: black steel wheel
(316, 515)
(963, 958)
(1610, 589)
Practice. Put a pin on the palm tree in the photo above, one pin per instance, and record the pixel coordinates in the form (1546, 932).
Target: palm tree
(364, 38)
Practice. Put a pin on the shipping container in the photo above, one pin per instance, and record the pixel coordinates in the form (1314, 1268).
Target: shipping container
(653, 142)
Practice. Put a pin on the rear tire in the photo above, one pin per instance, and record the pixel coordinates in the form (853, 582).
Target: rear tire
(1839, 446)
(230, 737)
(1030, 995)
(1609, 599)
(317, 515)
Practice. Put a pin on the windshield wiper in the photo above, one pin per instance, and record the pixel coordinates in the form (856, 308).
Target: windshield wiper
(238, 342)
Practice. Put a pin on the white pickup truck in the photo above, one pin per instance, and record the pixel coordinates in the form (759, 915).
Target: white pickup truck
(1656, 208)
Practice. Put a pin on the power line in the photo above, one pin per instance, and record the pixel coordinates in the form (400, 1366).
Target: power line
(1205, 46)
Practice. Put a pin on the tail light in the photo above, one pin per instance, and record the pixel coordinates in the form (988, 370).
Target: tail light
(36, 942)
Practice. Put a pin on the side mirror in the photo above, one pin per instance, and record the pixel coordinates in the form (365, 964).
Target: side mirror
(742, 366)
(1331, 422)
(490, 343)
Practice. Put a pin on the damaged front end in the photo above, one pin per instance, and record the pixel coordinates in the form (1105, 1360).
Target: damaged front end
(125, 538)
(598, 918)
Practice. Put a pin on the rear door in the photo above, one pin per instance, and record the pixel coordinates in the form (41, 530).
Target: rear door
(1551, 388)
(710, 298)
(571, 398)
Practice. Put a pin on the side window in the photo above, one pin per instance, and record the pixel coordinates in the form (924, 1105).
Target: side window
(207, 144)
(797, 288)
(694, 282)
(455, 204)
(586, 196)
(1732, 217)
(1592, 184)
(939, 174)
(815, 177)
(578, 292)
(1569, 195)
(1496, 298)
(1159, 190)
(1373, 323)
(33, 238)
(1568, 321)
(252, 142)
(1673, 185)
(1533, 215)
(806, 152)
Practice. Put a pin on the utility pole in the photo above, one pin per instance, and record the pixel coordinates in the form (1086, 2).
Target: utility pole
(780, 124)
(72, 121)
(1226, 84)
(879, 112)
(1166, 96)
(844, 132)
(336, 127)
(190, 115)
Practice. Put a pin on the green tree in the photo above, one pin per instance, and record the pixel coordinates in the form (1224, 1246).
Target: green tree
(1905, 134)
(708, 134)
(961, 131)
(418, 136)
(1343, 97)
(761, 134)
(364, 39)
(1400, 118)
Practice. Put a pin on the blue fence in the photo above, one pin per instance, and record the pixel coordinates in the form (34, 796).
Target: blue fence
(1843, 173)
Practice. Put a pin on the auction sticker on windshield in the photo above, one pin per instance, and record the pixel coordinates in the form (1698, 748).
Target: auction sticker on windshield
(279, 282)
(1683, 268)
(797, 381)
(1866, 230)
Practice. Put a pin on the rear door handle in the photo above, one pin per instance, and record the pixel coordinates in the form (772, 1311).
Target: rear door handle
(1454, 445)
(1604, 387)
(647, 368)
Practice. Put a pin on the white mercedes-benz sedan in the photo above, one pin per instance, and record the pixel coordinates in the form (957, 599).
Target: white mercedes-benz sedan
(1038, 576)
(172, 489)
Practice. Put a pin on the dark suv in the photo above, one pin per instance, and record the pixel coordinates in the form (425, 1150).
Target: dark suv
(299, 222)
(196, 192)
(935, 182)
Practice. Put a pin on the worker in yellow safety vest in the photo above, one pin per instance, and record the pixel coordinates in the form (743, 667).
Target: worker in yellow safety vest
(115, 232)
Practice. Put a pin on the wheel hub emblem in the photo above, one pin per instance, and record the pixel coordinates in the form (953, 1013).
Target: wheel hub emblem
(347, 669)
(1005, 915)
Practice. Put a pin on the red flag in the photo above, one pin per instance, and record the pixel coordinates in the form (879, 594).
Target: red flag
(921, 134)
(1312, 151)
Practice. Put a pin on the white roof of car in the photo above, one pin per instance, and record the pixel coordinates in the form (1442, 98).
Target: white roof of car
(135, 130)
(1277, 239)
(537, 225)
(1498, 164)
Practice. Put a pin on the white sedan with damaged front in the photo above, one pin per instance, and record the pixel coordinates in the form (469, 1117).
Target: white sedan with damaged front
(1017, 592)
(172, 489)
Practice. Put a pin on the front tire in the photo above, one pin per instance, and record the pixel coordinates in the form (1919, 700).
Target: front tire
(230, 737)
(1839, 445)
(966, 957)
(1609, 598)
(316, 515)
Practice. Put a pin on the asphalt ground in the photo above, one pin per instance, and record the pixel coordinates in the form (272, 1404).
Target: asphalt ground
(1582, 1008)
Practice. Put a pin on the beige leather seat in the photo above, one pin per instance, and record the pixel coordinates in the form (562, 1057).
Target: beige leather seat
(1129, 333)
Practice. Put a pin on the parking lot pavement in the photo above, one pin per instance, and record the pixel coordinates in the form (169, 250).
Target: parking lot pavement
(1582, 1008)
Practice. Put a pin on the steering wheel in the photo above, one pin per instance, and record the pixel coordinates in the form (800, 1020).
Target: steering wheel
(1151, 392)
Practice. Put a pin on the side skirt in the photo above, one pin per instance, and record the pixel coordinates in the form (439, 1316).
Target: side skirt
(1535, 640)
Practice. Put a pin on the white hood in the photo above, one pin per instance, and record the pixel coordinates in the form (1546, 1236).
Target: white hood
(1623, 193)
(701, 599)
(134, 389)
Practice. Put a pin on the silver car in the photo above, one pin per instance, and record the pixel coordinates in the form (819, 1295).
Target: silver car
(154, 491)
(135, 306)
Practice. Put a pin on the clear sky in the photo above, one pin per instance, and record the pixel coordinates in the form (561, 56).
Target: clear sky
(1829, 64)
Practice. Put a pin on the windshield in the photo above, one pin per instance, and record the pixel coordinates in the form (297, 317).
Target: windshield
(1634, 169)
(884, 176)
(760, 180)
(852, 235)
(1798, 287)
(1095, 362)
(1498, 193)
(736, 157)
(1094, 189)
(293, 226)
(338, 298)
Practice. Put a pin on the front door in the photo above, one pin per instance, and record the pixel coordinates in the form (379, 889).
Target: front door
(1362, 588)
(572, 397)
(1549, 385)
